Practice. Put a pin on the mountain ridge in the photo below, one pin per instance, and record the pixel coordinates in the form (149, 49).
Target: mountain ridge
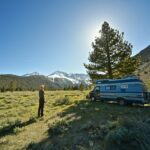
(55, 80)
(144, 54)
(143, 71)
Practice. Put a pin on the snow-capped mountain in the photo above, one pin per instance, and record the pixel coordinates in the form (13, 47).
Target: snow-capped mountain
(62, 79)
(84, 78)
(32, 74)
(62, 76)
(73, 78)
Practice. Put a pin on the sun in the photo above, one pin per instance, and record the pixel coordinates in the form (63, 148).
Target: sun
(91, 33)
(94, 32)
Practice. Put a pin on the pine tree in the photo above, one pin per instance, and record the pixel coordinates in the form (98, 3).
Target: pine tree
(81, 87)
(3, 89)
(111, 55)
(12, 86)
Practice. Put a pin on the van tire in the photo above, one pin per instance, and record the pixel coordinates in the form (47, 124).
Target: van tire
(121, 102)
(129, 104)
(102, 101)
(93, 99)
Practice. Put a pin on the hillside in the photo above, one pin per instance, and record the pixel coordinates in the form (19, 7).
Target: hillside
(144, 69)
(27, 83)
(56, 80)
(145, 54)
(71, 123)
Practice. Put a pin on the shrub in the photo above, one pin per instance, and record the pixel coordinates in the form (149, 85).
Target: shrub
(9, 128)
(62, 101)
(87, 126)
(2, 97)
(145, 72)
(58, 127)
(17, 130)
(32, 120)
(128, 135)
(31, 146)
(95, 130)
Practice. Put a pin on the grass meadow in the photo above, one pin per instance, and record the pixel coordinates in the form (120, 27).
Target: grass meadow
(71, 123)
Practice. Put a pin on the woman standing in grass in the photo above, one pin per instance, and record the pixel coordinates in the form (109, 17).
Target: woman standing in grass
(41, 101)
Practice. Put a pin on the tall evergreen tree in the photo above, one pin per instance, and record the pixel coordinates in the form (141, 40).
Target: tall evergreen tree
(12, 86)
(111, 55)
(3, 89)
(81, 87)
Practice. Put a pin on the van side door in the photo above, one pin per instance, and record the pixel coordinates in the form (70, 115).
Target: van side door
(97, 92)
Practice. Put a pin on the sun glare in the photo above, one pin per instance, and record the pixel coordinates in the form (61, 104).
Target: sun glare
(91, 33)
(94, 32)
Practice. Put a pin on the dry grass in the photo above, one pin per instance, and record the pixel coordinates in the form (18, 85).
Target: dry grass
(70, 121)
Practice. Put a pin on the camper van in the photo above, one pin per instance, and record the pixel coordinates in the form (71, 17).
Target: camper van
(127, 90)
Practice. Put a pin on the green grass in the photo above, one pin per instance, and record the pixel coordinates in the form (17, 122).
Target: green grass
(71, 122)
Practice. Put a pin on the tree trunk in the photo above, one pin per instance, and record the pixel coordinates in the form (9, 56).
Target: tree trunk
(109, 63)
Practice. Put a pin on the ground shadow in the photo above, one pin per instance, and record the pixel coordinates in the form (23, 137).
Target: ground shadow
(85, 124)
(9, 129)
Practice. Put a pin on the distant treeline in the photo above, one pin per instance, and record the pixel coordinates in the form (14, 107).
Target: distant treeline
(13, 87)
(32, 83)
(19, 83)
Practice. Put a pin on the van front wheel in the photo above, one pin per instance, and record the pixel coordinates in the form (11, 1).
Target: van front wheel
(93, 99)
(121, 102)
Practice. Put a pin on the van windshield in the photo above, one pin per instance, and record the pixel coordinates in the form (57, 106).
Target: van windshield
(97, 88)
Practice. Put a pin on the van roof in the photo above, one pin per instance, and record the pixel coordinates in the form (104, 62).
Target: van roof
(123, 80)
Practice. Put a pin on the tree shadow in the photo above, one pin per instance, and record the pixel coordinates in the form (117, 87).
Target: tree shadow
(85, 124)
(9, 129)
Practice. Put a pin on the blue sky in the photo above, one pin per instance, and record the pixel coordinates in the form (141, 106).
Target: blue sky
(50, 35)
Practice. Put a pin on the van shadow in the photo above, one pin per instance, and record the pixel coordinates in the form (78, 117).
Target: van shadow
(80, 122)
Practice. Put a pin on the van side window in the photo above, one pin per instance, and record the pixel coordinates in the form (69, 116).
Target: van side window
(124, 86)
(110, 87)
(107, 87)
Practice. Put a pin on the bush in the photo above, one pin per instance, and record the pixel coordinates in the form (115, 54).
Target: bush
(129, 135)
(62, 101)
(32, 120)
(58, 127)
(17, 130)
(145, 72)
(9, 128)
(87, 126)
